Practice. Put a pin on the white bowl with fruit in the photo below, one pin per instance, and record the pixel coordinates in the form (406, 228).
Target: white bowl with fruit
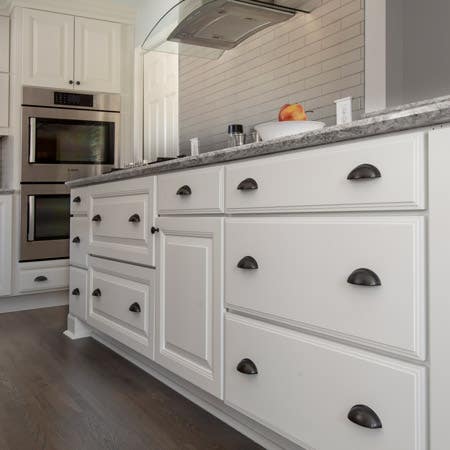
(292, 120)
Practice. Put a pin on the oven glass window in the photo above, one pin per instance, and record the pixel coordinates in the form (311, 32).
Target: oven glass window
(59, 141)
(50, 216)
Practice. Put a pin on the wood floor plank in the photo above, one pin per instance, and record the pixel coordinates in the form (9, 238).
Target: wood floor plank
(58, 394)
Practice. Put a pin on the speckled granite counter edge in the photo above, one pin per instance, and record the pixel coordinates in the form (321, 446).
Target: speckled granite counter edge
(435, 113)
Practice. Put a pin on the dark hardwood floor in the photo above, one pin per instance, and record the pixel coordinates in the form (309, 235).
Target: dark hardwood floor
(58, 394)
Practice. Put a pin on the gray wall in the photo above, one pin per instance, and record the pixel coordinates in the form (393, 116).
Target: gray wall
(418, 50)
(313, 59)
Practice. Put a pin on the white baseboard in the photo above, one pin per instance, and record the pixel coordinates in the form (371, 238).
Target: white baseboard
(253, 430)
(76, 329)
(33, 301)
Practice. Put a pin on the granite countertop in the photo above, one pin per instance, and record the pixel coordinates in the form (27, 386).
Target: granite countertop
(416, 115)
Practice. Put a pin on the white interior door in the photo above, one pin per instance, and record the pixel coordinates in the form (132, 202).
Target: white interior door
(160, 105)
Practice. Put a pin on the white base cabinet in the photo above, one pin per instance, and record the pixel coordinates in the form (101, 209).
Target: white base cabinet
(190, 299)
(317, 305)
(320, 394)
(5, 244)
(121, 303)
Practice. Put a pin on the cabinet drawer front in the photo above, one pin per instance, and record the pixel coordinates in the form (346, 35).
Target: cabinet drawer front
(43, 279)
(121, 217)
(305, 388)
(79, 201)
(316, 180)
(79, 239)
(121, 302)
(308, 275)
(191, 191)
(78, 290)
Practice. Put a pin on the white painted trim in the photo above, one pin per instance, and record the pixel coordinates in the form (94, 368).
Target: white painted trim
(253, 430)
(375, 55)
(76, 329)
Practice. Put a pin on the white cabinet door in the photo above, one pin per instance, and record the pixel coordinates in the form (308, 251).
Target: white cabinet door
(4, 100)
(5, 244)
(4, 44)
(189, 300)
(48, 42)
(97, 55)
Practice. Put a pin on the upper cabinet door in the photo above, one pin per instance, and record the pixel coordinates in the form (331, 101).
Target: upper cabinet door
(48, 42)
(97, 55)
(4, 44)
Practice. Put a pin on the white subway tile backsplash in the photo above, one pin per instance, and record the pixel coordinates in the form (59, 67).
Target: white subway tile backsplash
(313, 59)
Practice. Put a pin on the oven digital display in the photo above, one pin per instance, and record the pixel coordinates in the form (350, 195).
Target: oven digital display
(69, 99)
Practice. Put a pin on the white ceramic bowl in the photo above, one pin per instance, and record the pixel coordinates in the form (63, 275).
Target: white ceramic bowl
(274, 130)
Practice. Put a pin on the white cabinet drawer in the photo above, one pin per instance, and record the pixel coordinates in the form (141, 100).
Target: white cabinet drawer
(316, 179)
(306, 387)
(79, 201)
(121, 303)
(46, 278)
(78, 290)
(304, 265)
(121, 217)
(79, 240)
(191, 191)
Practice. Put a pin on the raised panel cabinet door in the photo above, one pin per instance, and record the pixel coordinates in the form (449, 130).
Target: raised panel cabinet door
(97, 55)
(5, 244)
(48, 41)
(189, 307)
(4, 44)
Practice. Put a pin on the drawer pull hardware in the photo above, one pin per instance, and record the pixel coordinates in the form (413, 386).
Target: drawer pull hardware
(249, 184)
(154, 230)
(77, 200)
(97, 218)
(365, 417)
(248, 263)
(40, 279)
(364, 277)
(184, 190)
(76, 240)
(97, 293)
(134, 218)
(364, 172)
(247, 367)
(135, 307)
(76, 292)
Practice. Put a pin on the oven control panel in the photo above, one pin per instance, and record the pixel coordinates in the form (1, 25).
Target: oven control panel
(72, 99)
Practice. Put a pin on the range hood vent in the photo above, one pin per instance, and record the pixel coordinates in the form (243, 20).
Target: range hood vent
(206, 28)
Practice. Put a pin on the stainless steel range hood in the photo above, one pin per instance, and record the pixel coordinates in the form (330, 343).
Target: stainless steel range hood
(206, 28)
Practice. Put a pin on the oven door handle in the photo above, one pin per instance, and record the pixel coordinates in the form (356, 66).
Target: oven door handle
(32, 149)
(31, 215)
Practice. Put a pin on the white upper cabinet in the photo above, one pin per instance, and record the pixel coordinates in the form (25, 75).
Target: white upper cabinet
(48, 47)
(62, 51)
(4, 44)
(97, 55)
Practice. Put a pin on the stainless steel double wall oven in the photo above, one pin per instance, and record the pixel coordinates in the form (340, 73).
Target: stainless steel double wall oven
(65, 135)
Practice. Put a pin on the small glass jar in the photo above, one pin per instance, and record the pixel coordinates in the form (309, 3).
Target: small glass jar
(236, 136)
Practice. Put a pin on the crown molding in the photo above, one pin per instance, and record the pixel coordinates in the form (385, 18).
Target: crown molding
(95, 9)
